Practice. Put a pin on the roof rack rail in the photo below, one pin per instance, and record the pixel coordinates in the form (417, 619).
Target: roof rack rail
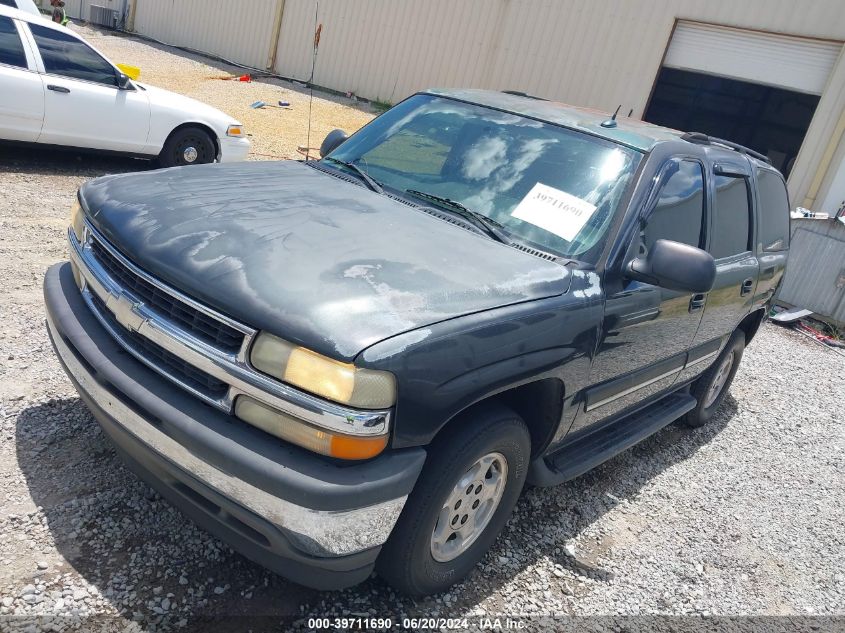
(518, 93)
(704, 139)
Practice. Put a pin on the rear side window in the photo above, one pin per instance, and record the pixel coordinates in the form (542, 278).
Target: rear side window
(731, 217)
(11, 47)
(679, 212)
(774, 212)
(67, 56)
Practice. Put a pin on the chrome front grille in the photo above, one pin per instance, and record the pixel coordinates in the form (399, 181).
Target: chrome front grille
(199, 349)
(207, 328)
(174, 366)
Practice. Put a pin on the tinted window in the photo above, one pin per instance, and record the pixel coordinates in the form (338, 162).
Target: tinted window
(9, 3)
(774, 211)
(11, 47)
(731, 217)
(679, 212)
(65, 55)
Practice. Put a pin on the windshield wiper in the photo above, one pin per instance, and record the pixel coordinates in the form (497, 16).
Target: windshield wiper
(371, 183)
(479, 220)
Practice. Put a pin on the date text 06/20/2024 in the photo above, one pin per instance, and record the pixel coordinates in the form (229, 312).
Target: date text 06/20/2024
(385, 624)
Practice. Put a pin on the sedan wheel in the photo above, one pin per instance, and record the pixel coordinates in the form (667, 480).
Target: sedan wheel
(188, 146)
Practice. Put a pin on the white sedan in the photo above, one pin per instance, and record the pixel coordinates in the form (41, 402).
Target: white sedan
(56, 89)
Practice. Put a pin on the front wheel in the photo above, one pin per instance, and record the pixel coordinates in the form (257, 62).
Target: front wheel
(188, 146)
(467, 491)
(712, 386)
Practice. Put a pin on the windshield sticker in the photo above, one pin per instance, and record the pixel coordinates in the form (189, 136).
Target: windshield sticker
(555, 211)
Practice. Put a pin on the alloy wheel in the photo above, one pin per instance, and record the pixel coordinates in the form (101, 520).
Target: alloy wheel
(719, 381)
(469, 507)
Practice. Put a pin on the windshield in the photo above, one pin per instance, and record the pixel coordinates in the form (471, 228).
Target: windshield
(547, 186)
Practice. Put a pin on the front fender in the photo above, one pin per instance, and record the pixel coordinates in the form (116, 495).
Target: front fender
(444, 368)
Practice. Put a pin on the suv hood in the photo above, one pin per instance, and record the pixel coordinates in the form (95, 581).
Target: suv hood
(312, 258)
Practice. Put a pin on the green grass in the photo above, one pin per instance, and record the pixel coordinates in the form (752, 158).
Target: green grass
(380, 106)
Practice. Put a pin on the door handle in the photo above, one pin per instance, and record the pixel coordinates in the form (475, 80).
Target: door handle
(747, 286)
(55, 88)
(697, 302)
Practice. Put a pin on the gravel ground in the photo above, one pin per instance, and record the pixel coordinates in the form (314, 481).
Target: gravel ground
(743, 517)
(275, 132)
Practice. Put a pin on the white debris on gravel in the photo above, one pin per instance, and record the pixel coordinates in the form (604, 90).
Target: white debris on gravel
(743, 516)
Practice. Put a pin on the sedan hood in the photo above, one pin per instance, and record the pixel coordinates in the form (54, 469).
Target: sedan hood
(161, 99)
(312, 258)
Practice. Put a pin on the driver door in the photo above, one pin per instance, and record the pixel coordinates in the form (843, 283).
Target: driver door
(647, 330)
(83, 105)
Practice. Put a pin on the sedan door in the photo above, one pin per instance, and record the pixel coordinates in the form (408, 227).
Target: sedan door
(84, 107)
(21, 89)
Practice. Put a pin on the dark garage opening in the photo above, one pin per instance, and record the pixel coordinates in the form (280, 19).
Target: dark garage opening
(772, 121)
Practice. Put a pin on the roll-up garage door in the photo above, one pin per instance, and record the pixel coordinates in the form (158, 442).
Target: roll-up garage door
(794, 63)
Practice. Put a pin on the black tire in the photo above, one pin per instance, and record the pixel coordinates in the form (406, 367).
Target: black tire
(177, 149)
(406, 561)
(702, 414)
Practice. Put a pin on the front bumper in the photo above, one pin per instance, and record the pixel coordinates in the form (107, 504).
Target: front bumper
(233, 149)
(311, 519)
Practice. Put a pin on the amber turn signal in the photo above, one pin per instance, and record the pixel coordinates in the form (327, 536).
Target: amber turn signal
(302, 434)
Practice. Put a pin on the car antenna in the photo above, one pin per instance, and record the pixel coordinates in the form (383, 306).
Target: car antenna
(318, 29)
(630, 112)
(611, 122)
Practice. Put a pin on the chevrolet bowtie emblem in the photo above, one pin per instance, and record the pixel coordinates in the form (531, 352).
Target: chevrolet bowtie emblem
(124, 312)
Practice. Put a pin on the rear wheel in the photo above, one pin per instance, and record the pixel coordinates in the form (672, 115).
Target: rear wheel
(465, 494)
(188, 146)
(712, 386)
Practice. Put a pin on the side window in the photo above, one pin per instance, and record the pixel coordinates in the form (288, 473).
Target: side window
(67, 56)
(774, 211)
(11, 47)
(679, 212)
(731, 217)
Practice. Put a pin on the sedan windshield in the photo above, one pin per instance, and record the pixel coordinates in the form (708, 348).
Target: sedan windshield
(546, 186)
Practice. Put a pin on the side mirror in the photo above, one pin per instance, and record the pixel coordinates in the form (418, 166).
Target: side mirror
(675, 266)
(332, 141)
(123, 82)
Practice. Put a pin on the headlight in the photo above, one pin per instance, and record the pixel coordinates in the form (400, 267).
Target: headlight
(331, 379)
(235, 130)
(77, 220)
(297, 432)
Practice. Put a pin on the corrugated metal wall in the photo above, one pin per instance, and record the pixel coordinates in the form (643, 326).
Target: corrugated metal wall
(815, 276)
(240, 31)
(595, 53)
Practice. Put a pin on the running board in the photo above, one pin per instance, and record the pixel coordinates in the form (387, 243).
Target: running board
(594, 449)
